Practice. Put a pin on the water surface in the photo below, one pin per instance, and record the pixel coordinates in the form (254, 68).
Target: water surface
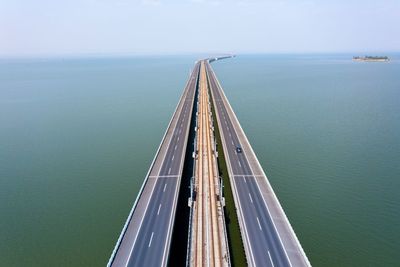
(77, 137)
(326, 131)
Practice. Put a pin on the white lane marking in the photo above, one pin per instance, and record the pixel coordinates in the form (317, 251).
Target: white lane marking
(165, 186)
(158, 212)
(178, 138)
(173, 156)
(248, 175)
(230, 135)
(151, 238)
(250, 197)
(259, 225)
(169, 171)
(175, 147)
(164, 176)
(245, 180)
(232, 142)
(240, 165)
(270, 258)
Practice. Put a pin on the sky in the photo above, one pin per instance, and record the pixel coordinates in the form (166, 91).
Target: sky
(118, 27)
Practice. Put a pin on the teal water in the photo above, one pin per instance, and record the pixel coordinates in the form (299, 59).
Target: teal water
(327, 132)
(76, 140)
(77, 137)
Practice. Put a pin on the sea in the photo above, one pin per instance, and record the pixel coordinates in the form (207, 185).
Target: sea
(78, 134)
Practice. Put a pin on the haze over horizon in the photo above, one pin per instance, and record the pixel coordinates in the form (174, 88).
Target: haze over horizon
(44, 27)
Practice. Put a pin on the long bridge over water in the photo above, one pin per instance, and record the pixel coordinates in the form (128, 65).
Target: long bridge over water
(146, 238)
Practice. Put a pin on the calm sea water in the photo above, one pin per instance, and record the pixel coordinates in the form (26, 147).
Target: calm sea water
(77, 137)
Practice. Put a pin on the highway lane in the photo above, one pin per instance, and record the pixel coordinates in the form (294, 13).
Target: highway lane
(146, 237)
(263, 241)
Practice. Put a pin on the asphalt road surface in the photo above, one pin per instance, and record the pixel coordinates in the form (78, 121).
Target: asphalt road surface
(264, 244)
(146, 237)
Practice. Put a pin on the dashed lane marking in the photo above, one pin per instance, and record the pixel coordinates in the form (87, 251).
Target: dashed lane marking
(247, 175)
(259, 225)
(270, 258)
(159, 207)
(151, 238)
(164, 176)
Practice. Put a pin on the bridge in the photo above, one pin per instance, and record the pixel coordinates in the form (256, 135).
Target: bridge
(268, 238)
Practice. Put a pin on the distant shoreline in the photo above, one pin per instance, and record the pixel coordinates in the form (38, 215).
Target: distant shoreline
(372, 59)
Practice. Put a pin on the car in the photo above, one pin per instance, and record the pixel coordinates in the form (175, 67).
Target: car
(238, 149)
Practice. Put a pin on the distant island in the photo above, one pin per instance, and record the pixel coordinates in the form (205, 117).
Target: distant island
(372, 59)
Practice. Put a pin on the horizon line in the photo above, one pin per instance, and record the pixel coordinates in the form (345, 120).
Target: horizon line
(156, 54)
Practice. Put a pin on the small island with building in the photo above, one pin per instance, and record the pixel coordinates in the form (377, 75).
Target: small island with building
(371, 58)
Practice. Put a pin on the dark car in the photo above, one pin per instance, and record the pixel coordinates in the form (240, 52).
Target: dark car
(238, 149)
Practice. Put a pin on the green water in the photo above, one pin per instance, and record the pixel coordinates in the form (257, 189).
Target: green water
(77, 137)
(327, 132)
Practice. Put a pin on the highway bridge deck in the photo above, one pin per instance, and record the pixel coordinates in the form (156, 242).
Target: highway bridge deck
(146, 237)
(269, 239)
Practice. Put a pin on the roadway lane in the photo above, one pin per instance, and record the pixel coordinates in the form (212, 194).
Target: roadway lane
(263, 241)
(146, 238)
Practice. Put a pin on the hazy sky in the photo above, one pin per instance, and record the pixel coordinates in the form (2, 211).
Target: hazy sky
(51, 27)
